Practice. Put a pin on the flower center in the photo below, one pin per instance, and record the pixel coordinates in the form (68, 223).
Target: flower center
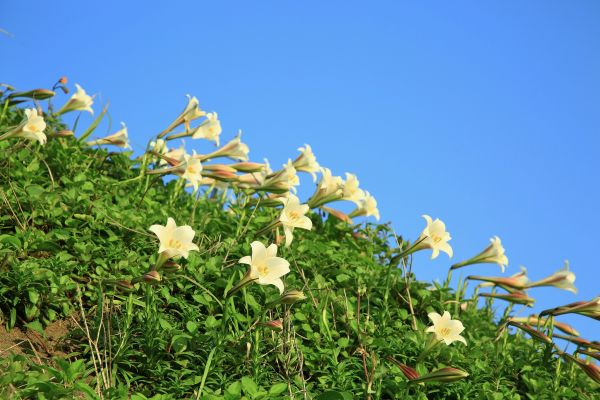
(31, 127)
(444, 331)
(436, 239)
(293, 215)
(174, 244)
(262, 269)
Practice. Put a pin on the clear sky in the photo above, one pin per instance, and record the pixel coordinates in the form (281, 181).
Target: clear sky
(484, 114)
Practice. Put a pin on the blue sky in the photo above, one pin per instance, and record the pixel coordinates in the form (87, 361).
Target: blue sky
(484, 114)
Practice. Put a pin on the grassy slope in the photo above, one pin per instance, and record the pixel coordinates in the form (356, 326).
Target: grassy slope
(69, 222)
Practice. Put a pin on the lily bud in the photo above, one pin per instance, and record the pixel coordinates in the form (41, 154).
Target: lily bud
(248, 166)
(151, 277)
(123, 285)
(36, 94)
(533, 332)
(579, 341)
(516, 282)
(591, 369)
(445, 375)
(275, 325)
(534, 321)
(292, 296)
(516, 297)
(337, 214)
(63, 133)
(170, 267)
(588, 308)
(410, 373)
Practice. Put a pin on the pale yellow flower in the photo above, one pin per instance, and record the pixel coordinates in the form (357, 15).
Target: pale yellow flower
(209, 129)
(191, 170)
(307, 162)
(119, 139)
(79, 101)
(351, 191)
(174, 155)
(32, 127)
(434, 237)
(234, 149)
(191, 112)
(293, 216)
(330, 188)
(265, 267)
(175, 241)
(493, 254)
(562, 279)
(445, 328)
(366, 207)
(159, 146)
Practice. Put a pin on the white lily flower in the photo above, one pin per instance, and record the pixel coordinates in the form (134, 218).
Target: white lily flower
(209, 129)
(293, 216)
(191, 170)
(174, 155)
(434, 237)
(330, 188)
(79, 101)
(445, 328)
(366, 207)
(351, 191)
(32, 127)
(562, 279)
(265, 267)
(493, 254)
(175, 241)
(234, 149)
(307, 162)
(191, 112)
(119, 139)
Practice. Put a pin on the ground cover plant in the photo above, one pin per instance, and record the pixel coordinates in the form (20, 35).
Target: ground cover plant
(118, 281)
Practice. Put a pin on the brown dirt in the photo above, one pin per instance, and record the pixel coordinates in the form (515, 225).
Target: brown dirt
(26, 341)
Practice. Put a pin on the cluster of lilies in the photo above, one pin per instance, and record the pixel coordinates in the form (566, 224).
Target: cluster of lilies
(278, 188)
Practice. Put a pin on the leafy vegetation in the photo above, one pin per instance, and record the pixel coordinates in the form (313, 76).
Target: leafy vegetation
(75, 247)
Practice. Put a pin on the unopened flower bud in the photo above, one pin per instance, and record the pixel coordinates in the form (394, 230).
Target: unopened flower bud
(292, 296)
(151, 277)
(170, 267)
(275, 325)
(445, 375)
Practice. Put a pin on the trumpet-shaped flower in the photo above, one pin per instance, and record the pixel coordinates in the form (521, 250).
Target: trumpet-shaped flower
(119, 139)
(32, 127)
(234, 149)
(434, 237)
(265, 267)
(330, 188)
(445, 328)
(209, 129)
(366, 207)
(493, 254)
(293, 216)
(191, 112)
(174, 156)
(175, 241)
(307, 162)
(191, 170)
(562, 279)
(79, 101)
(351, 191)
(159, 146)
